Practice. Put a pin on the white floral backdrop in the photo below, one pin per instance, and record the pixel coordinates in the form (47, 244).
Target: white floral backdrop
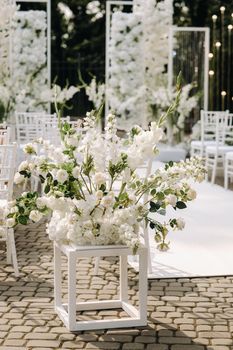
(138, 51)
(23, 59)
(29, 59)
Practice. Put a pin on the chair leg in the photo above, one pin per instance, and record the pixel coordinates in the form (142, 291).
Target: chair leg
(13, 251)
(226, 176)
(214, 170)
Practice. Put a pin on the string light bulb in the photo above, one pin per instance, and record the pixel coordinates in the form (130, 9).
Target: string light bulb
(230, 27)
(223, 93)
(222, 9)
(211, 73)
(210, 55)
(218, 44)
(214, 17)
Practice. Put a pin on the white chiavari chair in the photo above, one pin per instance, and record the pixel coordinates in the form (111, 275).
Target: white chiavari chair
(216, 154)
(7, 166)
(27, 126)
(209, 120)
(49, 129)
(228, 171)
(5, 134)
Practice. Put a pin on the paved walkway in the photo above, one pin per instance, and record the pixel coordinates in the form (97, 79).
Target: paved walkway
(183, 314)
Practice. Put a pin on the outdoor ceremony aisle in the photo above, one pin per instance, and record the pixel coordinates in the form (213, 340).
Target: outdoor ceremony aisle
(205, 246)
(183, 314)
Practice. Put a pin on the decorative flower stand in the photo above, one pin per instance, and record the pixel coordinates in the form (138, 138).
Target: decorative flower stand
(67, 312)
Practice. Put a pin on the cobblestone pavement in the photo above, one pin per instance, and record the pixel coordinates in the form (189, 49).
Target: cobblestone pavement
(183, 314)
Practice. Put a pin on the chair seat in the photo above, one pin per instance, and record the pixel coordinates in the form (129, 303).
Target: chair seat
(220, 149)
(198, 144)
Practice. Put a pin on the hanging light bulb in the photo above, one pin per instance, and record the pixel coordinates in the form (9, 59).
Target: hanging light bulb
(214, 18)
(218, 44)
(211, 73)
(210, 55)
(222, 9)
(223, 93)
(230, 27)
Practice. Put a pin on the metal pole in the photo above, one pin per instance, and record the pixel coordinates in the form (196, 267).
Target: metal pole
(48, 7)
(107, 60)
(206, 68)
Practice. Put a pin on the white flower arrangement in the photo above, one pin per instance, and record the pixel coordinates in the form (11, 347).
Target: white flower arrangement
(95, 92)
(80, 181)
(162, 99)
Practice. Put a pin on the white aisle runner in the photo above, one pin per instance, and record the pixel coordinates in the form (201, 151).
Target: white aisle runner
(205, 246)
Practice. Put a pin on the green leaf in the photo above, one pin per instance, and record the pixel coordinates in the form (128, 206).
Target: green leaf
(46, 189)
(154, 207)
(22, 220)
(160, 196)
(161, 212)
(152, 225)
(153, 192)
(181, 205)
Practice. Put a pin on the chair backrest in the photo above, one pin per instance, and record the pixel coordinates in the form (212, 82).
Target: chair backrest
(7, 170)
(229, 130)
(26, 126)
(213, 125)
(5, 134)
(31, 126)
(48, 129)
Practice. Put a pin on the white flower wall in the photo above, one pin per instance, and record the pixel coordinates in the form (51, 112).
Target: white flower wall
(29, 58)
(7, 12)
(126, 71)
(138, 53)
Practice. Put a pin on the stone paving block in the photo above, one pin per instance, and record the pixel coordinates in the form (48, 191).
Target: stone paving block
(157, 347)
(73, 345)
(103, 345)
(43, 343)
(133, 346)
(187, 347)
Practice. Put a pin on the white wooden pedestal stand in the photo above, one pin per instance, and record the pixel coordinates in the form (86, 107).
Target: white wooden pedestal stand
(67, 312)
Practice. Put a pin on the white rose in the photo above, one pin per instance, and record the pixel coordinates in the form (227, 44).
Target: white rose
(107, 201)
(76, 172)
(99, 195)
(14, 210)
(100, 178)
(172, 200)
(192, 194)
(29, 149)
(10, 222)
(180, 223)
(62, 176)
(41, 202)
(35, 215)
(23, 166)
(11, 204)
(18, 178)
(72, 141)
